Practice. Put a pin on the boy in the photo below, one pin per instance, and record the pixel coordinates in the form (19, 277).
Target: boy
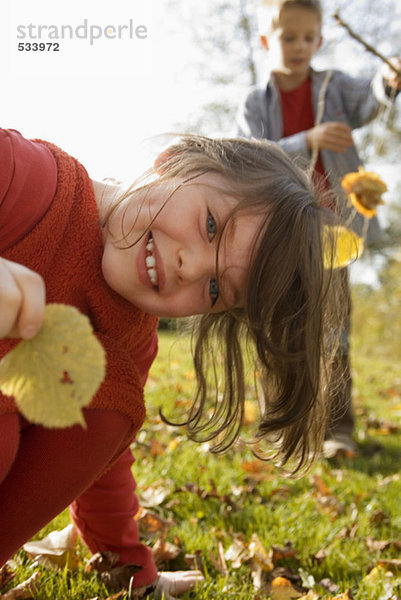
(285, 111)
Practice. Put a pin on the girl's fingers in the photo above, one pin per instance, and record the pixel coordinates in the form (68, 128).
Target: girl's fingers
(22, 300)
(176, 583)
(10, 300)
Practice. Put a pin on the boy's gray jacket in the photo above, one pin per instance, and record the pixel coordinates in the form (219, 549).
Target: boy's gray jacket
(351, 100)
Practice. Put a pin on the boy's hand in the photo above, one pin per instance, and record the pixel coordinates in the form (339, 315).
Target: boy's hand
(391, 78)
(22, 300)
(333, 135)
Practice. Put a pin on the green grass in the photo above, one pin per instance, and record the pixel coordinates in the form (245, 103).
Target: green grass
(214, 499)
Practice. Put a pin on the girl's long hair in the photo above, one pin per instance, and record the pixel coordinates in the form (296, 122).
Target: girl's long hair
(294, 309)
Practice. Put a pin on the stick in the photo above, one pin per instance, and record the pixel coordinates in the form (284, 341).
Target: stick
(367, 46)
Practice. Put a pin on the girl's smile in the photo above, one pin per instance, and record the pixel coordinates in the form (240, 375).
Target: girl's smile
(160, 247)
(149, 257)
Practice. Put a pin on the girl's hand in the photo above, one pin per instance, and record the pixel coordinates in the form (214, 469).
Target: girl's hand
(22, 300)
(332, 135)
(176, 583)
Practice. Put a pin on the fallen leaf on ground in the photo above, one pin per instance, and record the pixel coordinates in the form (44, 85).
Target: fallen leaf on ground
(155, 495)
(26, 589)
(320, 556)
(379, 517)
(380, 545)
(391, 564)
(57, 550)
(119, 577)
(241, 551)
(6, 574)
(329, 585)
(287, 551)
(55, 374)
(283, 589)
(220, 563)
(102, 561)
(164, 551)
(151, 524)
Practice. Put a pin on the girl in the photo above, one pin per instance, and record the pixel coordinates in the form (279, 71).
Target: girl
(229, 230)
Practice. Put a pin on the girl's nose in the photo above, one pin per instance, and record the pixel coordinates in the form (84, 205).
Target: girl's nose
(196, 263)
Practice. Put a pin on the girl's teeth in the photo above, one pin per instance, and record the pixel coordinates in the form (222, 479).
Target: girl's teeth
(150, 261)
(152, 276)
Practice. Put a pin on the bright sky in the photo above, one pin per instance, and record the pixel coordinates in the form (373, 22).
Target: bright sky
(96, 100)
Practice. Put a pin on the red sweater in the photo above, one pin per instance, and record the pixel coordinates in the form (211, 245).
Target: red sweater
(65, 247)
(49, 222)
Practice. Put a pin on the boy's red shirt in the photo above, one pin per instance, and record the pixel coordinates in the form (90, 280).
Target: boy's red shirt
(298, 115)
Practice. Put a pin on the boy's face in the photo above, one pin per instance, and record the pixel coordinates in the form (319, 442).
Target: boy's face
(171, 271)
(296, 40)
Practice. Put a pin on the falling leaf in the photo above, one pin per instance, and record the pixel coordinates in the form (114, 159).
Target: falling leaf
(364, 189)
(56, 373)
(26, 589)
(57, 550)
(341, 246)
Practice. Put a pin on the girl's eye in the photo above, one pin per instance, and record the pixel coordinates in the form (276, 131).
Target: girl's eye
(211, 226)
(213, 290)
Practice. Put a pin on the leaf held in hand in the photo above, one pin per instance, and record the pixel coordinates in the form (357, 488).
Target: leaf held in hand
(365, 189)
(341, 246)
(56, 373)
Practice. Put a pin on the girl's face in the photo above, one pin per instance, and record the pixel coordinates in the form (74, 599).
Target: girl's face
(171, 271)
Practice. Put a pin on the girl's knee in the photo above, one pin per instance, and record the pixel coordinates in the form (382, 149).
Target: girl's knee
(9, 442)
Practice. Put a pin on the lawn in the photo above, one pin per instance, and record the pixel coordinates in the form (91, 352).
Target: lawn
(334, 533)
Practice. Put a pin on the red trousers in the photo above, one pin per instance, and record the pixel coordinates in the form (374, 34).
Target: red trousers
(42, 471)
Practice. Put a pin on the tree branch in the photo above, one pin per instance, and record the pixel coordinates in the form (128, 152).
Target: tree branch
(368, 47)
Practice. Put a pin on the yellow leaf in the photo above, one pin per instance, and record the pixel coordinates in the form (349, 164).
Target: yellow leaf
(282, 589)
(341, 246)
(56, 373)
(364, 189)
(259, 554)
(56, 549)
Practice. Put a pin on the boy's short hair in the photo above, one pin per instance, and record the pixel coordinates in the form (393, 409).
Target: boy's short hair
(272, 9)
